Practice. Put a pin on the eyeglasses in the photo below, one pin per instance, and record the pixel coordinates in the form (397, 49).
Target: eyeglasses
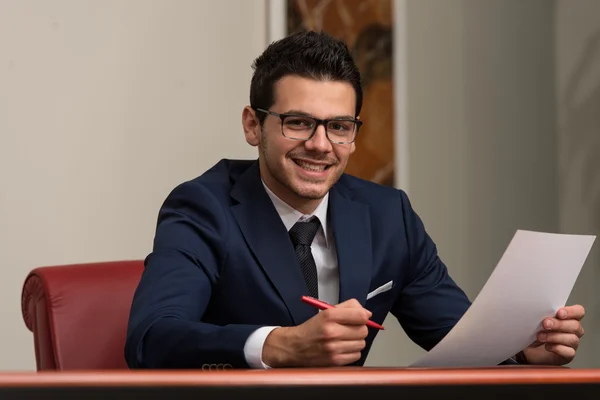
(303, 127)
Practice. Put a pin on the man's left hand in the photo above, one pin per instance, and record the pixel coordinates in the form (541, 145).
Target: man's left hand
(558, 341)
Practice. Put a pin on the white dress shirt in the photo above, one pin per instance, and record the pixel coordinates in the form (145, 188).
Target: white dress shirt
(323, 251)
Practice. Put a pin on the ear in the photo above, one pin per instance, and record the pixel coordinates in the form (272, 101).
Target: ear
(251, 126)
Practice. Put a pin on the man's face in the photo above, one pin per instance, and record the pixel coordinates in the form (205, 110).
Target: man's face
(302, 172)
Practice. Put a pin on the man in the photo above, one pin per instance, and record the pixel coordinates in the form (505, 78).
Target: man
(237, 248)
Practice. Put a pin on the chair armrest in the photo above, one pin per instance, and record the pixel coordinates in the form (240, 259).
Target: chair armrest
(35, 311)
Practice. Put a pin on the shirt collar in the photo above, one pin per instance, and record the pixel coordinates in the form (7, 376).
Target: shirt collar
(290, 215)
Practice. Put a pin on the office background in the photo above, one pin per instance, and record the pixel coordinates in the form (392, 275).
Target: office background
(105, 106)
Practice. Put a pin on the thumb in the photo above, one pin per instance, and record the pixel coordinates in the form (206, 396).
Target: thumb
(353, 303)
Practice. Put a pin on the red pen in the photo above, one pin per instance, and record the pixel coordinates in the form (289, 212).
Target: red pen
(321, 305)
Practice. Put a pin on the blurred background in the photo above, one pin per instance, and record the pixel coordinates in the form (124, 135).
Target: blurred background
(487, 112)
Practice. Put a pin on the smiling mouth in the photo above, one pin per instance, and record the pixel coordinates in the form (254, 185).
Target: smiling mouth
(311, 166)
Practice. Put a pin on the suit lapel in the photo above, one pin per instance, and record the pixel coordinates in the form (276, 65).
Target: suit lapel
(268, 239)
(352, 230)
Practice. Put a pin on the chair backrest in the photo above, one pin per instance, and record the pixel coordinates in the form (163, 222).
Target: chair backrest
(78, 313)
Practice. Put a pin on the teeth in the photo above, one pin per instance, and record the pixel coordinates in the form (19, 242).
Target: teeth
(311, 167)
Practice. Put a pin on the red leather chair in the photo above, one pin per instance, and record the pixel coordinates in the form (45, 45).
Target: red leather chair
(78, 313)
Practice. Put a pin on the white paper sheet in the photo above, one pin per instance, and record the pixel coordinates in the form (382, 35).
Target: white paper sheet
(532, 281)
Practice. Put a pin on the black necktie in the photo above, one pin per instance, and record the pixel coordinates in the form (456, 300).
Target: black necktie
(302, 235)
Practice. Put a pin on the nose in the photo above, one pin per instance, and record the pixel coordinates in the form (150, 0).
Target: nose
(319, 142)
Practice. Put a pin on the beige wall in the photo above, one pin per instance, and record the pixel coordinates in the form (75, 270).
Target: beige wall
(578, 156)
(104, 107)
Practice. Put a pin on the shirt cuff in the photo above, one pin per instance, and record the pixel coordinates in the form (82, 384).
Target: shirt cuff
(254, 347)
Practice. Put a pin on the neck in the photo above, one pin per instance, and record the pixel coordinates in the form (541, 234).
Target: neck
(305, 207)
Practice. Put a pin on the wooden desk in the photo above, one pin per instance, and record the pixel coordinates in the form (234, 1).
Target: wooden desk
(508, 383)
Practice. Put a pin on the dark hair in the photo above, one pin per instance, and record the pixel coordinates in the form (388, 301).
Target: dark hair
(314, 55)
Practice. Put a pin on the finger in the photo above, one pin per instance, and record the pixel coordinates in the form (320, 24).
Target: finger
(337, 331)
(344, 346)
(566, 326)
(344, 358)
(560, 350)
(571, 312)
(566, 339)
(347, 316)
(348, 308)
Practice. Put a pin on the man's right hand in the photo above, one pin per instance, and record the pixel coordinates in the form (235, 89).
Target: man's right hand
(333, 337)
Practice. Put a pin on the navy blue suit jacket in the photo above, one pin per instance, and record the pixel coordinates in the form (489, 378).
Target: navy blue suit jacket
(223, 265)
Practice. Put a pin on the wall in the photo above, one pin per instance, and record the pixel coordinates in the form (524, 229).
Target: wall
(104, 108)
(481, 134)
(578, 156)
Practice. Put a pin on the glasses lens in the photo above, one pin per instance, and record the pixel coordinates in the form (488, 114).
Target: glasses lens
(341, 130)
(298, 127)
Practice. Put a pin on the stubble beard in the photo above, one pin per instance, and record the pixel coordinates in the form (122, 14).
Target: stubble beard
(279, 175)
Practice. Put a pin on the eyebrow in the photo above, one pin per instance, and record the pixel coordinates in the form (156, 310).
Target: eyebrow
(303, 113)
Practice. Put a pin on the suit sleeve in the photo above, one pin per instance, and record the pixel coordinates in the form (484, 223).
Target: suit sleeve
(430, 303)
(165, 324)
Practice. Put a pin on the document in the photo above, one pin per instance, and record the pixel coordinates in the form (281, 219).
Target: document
(532, 281)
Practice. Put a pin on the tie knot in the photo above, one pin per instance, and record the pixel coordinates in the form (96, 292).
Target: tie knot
(304, 232)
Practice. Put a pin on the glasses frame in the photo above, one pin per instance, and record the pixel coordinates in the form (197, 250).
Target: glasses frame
(358, 123)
